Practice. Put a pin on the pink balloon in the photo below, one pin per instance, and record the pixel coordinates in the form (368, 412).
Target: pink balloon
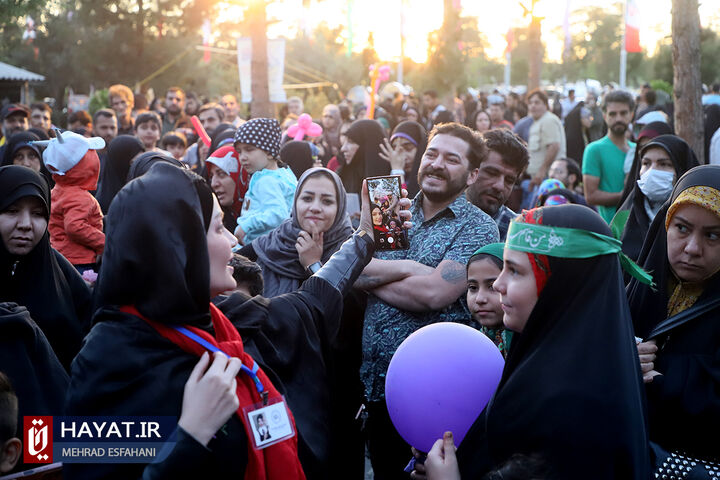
(304, 126)
(440, 379)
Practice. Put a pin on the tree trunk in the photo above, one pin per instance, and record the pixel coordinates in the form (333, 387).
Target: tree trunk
(535, 54)
(257, 20)
(687, 87)
(140, 27)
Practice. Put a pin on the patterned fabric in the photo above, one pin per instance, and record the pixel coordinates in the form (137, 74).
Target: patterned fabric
(502, 218)
(501, 337)
(703, 196)
(684, 295)
(264, 133)
(453, 234)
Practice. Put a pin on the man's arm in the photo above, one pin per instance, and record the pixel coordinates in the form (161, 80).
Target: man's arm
(425, 292)
(381, 272)
(595, 196)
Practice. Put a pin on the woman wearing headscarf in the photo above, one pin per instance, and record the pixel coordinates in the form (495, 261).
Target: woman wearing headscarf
(663, 160)
(20, 150)
(479, 121)
(404, 151)
(361, 155)
(678, 319)
(120, 153)
(145, 161)
(300, 156)
(288, 255)
(577, 131)
(330, 141)
(319, 212)
(649, 131)
(162, 266)
(229, 181)
(32, 273)
(571, 390)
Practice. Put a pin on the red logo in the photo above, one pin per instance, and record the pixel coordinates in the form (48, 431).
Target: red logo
(38, 441)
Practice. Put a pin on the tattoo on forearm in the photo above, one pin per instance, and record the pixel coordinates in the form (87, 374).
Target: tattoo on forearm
(367, 282)
(453, 273)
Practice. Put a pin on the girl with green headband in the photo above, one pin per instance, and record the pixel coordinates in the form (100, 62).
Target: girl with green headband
(571, 392)
(483, 301)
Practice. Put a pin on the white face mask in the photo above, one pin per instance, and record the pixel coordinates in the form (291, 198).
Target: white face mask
(656, 185)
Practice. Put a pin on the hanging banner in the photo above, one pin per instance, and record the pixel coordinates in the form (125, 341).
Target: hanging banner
(632, 27)
(276, 69)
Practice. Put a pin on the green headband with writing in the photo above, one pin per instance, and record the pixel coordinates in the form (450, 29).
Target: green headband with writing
(569, 243)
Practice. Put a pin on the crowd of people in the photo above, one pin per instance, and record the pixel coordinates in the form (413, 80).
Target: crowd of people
(581, 236)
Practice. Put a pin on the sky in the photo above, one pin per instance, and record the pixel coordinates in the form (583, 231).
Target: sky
(382, 17)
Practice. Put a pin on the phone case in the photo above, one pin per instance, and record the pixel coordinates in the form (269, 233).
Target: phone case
(388, 228)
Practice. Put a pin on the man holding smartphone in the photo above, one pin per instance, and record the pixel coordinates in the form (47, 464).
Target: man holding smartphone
(409, 289)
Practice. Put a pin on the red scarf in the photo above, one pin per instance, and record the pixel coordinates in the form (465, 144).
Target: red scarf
(276, 462)
(540, 263)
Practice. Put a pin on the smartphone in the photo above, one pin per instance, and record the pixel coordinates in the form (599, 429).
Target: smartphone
(388, 228)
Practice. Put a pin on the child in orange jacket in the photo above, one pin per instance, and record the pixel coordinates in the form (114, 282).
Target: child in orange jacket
(76, 220)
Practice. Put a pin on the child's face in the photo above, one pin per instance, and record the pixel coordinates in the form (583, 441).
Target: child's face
(483, 301)
(252, 158)
(176, 149)
(148, 133)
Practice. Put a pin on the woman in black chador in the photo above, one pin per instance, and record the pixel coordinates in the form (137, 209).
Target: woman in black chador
(661, 162)
(32, 273)
(680, 319)
(571, 391)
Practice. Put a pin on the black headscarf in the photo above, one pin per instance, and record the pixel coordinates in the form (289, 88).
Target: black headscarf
(121, 150)
(417, 133)
(39, 380)
(224, 134)
(145, 161)
(44, 281)
(712, 124)
(574, 138)
(683, 403)
(683, 159)
(20, 138)
(571, 389)
(156, 258)
(651, 130)
(366, 162)
(298, 156)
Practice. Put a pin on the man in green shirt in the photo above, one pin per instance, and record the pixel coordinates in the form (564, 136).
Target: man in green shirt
(602, 166)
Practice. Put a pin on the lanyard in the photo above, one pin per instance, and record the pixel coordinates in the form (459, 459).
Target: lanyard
(252, 372)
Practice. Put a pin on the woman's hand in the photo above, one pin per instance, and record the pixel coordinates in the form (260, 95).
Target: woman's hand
(209, 399)
(310, 246)
(392, 156)
(441, 463)
(647, 353)
(366, 218)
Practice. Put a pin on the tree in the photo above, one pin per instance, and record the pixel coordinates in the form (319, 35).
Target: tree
(687, 84)
(449, 50)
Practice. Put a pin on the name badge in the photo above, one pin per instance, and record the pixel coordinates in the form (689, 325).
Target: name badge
(269, 423)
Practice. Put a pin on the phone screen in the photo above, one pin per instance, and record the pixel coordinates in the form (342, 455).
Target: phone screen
(388, 228)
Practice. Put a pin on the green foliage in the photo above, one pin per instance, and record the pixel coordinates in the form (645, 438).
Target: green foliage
(100, 99)
(662, 86)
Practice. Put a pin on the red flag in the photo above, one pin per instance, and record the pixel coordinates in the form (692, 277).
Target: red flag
(509, 36)
(632, 27)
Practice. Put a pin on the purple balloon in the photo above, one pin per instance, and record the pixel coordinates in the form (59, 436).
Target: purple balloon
(440, 379)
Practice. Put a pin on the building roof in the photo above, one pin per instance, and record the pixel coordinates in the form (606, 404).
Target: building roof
(8, 72)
